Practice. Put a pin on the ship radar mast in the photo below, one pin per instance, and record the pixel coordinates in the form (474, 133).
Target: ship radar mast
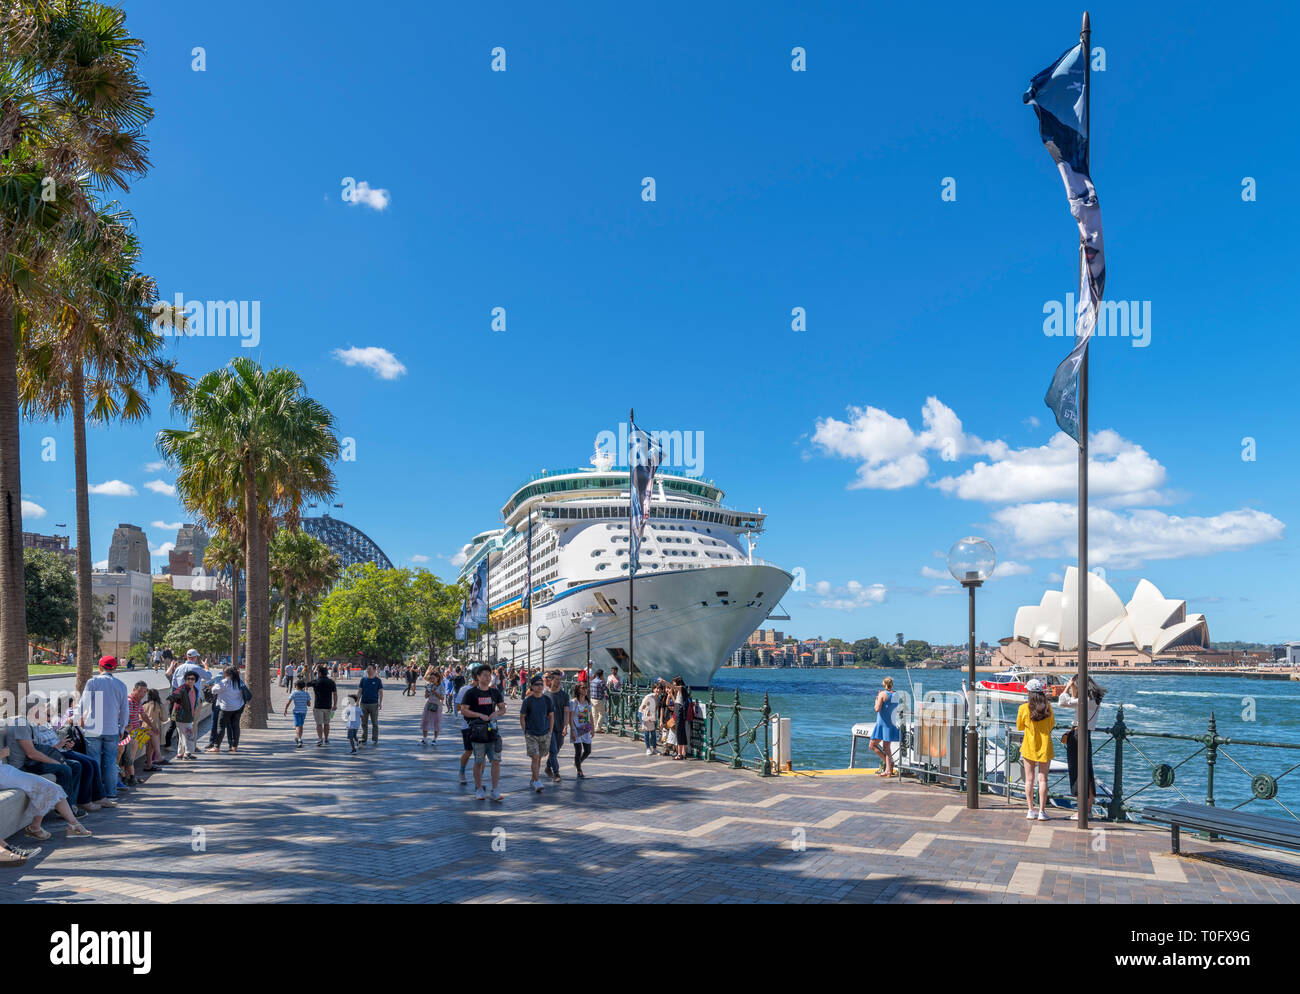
(602, 459)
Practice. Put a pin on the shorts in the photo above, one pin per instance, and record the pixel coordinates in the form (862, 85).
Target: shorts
(299, 719)
(538, 745)
(464, 738)
(490, 751)
(323, 716)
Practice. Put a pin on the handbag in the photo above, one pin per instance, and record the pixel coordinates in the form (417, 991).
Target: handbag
(480, 731)
(248, 694)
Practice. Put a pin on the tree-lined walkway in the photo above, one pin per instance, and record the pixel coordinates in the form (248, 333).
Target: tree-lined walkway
(392, 824)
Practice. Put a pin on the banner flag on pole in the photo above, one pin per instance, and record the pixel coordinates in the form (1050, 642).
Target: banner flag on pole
(478, 595)
(460, 624)
(644, 459)
(1059, 97)
(526, 602)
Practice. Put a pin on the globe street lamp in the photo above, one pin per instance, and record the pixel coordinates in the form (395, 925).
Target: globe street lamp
(543, 633)
(588, 626)
(971, 561)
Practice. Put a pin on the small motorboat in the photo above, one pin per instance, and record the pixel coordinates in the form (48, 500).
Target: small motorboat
(1011, 684)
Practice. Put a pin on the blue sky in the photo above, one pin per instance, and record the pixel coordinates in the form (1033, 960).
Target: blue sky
(774, 189)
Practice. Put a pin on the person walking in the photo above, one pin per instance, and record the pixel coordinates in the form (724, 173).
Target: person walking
(104, 713)
(1070, 699)
(372, 699)
(683, 714)
(649, 713)
(537, 718)
(885, 729)
(449, 690)
(326, 693)
(560, 705)
(300, 700)
(431, 717)
(482, 706)
(352, 719)
(581, 724)
(1036, 720)
(232, 694)
(599, 700)
(184, 701)
(464, 730)
(411, 677)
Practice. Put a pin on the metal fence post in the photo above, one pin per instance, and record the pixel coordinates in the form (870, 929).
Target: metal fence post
(735, 740)
(1118, 731)
(710, 729)
(767, 736)
(1211, 755)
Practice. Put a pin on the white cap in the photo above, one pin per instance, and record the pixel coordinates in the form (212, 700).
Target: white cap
(1034, 686)
(191, 653)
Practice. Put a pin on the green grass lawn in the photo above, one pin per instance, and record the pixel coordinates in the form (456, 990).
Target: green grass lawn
(37, 669)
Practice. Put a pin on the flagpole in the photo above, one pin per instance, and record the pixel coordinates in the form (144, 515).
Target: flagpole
(528, 590)
(1083, 782)
(631, 571)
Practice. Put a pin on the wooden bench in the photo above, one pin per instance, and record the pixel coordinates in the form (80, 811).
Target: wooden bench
(1263, 829)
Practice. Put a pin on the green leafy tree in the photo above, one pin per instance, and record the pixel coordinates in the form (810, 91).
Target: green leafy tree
(915, 650)
(206, 629)
(302, 569)
(51, 597)
(367, 613)
(434, 608)
(169, 606)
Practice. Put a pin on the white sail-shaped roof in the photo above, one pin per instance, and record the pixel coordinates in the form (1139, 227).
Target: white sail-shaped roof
(1150, 621)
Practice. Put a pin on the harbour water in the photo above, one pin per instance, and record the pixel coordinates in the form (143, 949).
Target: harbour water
(824, 704)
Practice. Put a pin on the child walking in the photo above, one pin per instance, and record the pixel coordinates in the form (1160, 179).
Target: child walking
(352, 719)
(300, 699)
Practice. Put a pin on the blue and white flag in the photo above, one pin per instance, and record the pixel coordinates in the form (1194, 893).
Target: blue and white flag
(526, 601)
(644, 458)
(478, 595)
(1059, 96)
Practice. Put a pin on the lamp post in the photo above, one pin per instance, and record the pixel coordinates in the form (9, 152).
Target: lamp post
(588, 626)
(971, 561)
(512, 639)
(543, 633)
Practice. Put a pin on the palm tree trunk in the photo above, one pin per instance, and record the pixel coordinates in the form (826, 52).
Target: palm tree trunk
(86, 621)
(234, 614)
(284, 638)
(306, 639)
(13, 592)
(257, 591)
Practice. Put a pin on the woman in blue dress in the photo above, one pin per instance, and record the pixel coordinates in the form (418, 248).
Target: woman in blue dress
(885, 730)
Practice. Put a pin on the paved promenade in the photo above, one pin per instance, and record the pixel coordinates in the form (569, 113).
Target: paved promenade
(392, 824)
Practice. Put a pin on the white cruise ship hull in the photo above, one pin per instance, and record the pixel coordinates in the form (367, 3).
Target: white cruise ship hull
(688, 623)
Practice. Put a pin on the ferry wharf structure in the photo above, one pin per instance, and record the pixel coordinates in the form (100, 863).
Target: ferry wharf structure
(393, 825)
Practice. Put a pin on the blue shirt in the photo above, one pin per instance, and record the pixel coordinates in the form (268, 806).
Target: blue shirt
(370, 687)
(104, 706)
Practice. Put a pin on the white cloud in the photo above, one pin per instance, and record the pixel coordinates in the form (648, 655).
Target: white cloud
(459, 558)
(153, 467)
(379, 361)
(1009, 568)
(167, 526)
(1118, 470)
(419, 559)
(944, 589)
(891, 454)
(162, 550)
(849, 597)
(363, 193)
(112, 488)
(32, 510)
(930, 573)
(102, 564)
(1124, 540)
(161, 487)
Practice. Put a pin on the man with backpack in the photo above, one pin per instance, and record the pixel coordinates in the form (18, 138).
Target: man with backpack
(481, 706)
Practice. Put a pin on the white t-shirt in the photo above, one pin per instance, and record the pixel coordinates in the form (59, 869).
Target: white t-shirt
(460, 699)
(352, 715)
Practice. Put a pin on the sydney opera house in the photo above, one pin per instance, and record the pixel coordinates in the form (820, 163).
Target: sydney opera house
(1150, 627)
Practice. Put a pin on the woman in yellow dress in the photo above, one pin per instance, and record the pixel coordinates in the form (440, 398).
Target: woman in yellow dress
(1036, 720)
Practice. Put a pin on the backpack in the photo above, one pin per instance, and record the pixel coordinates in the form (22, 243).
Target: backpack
(243, 689)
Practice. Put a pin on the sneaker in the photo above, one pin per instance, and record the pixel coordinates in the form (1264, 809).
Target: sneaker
(537, 786)
(555, 778)
(299, 743)
(496, 795)
(319, 743)
(649, 752)
(1043, 817)
(462, 775)
(481, 794)
(107, 802)
(1029, 816)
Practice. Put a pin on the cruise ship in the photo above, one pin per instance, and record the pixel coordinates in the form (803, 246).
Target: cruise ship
(699, 591)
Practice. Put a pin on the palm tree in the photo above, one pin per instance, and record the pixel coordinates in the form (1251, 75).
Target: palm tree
(72, 115)
(226, 552)
(256, 449)
(302, 569)
(98, 346)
